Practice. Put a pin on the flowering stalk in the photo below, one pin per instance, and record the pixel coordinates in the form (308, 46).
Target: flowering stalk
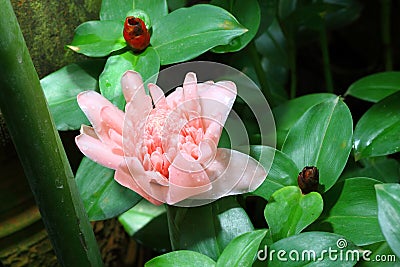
(40, 150)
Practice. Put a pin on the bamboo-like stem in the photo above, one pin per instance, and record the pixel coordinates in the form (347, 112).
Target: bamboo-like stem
(40, 150)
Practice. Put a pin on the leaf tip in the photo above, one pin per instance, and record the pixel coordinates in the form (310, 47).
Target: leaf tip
(73, 48)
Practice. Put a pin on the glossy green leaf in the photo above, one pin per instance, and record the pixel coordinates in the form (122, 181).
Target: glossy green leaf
(312, 249)
(377, 132)
(182, 258)
(147, 64)
(242, 250)
(140, 215)
(216, 225)
(98, 38)
(288, 113)
(148, 225)
(388, 196)
(61, 88)
(118, 10)
(248, 14)
(375, 87)
(102, 196)
(115, 10)
(351, 205)
(322, 138)
(188, 32)
(383, 169)
(288, 211)
(283, 171)
(381, 255)
(175, 4)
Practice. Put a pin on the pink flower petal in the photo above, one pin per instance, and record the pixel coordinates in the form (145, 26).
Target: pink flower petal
(157, 95)
(113, 118)
(217, 100)
(92, 103)
(233, 173)
(132, 85)
(97, 151)
(147, 180)
(187, 179)
(124, 178)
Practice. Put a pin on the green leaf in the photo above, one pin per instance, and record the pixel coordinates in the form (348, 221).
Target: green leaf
(242, 250)
(98, 38)
(118, 10)
(188, 32)
(215, 224)
(389, 213)
(375, 87)
(283, 171)
(347, 12)
(146, 63)
(62, 87)
(322, 138)
(288, 113)
(148, 225)
(248, 14)
(377, 132)
(140, 215)
(183, 258)
(312, 249)
(383, 169)
(381, 255)
(102, 196)
(115, 10)
(351, 205)
(288, 211)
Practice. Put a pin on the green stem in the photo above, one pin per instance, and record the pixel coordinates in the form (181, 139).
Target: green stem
(386, 39)
(255, 57)
(325, 59)
(40, 150)
(292, 63)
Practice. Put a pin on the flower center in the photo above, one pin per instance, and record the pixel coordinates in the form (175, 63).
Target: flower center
(190, 136)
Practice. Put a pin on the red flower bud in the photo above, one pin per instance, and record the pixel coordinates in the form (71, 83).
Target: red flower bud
(136, 34)
(308, 180)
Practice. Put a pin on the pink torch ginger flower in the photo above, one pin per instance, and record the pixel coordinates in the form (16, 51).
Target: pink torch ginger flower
(165, 148)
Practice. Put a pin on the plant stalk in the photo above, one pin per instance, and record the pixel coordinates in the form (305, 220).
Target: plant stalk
(386, 39)
(40, 150)
(325, 59)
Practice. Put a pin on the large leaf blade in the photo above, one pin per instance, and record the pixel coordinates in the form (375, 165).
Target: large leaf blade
(322, 138)
(188, 32)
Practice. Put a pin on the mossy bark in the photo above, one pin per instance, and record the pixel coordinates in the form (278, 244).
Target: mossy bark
(49, 25)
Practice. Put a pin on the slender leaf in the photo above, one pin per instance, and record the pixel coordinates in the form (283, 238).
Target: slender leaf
(183, 258)
(288, 211)
(242, 250)
(389, 213)
(61, 88)
(322, 138)
(283, 171)
(98, 38)
(207, 229)
(288, 113)
(375, 87)
(313, 249)
(248, 14)
(146, 63)
(383, 169)
(102, 196)
(188, 32)
(350, 206)
(377, 132)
